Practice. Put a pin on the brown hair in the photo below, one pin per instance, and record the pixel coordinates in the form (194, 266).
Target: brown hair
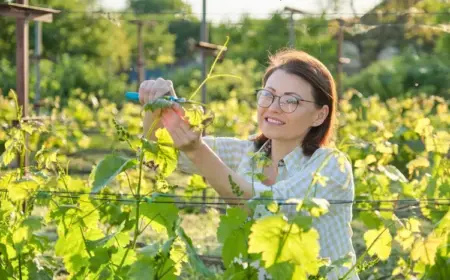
(324, 93)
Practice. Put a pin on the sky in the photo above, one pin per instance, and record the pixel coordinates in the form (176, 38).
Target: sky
(223, 10)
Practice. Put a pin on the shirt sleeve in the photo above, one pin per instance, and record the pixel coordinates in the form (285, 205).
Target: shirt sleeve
(229, 149)
(334, 181)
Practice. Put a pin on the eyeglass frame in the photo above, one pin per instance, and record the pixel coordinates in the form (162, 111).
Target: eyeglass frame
(299, 99)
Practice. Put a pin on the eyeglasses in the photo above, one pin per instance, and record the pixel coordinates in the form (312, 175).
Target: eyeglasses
(288, 103)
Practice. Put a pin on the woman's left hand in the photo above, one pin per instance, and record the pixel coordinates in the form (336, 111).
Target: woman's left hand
(185, 138)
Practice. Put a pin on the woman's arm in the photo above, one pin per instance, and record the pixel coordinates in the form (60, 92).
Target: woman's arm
(217, 173)
(206, 161)
(228, 149)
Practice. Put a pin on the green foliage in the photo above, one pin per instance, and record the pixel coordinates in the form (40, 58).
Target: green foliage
(108, 169)
(408, 75)
(280, 241)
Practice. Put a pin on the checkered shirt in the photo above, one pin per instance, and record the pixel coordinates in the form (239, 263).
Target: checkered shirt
(295, 174)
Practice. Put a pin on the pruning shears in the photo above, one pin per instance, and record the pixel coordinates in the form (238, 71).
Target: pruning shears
(134, 96)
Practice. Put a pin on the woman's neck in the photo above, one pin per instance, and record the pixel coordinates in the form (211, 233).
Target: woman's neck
(282, 148)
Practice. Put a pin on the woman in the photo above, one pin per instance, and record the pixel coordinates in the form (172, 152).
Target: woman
(296, 115)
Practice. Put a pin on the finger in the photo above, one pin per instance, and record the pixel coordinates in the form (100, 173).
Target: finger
(142, 92)
(145, 90)
(179, 110)
(170, 118)
(175, 134)
(162, 87)
(171, 89)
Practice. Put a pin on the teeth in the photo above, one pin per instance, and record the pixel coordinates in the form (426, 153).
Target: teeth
(274, 121)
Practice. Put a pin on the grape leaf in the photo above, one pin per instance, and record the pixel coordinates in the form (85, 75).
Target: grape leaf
(236, 245)
(166, 157)
(108, 168)
(194, 260)
(21, 189)
(162, 213)
(178, 255)
(142, 269)
(234, 219)
(159, 103)
(279, 241)
(382, 246)
(425, 249)
(282, 270)
(370, 219)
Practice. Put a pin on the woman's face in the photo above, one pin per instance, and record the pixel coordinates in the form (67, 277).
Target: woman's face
(277, 124)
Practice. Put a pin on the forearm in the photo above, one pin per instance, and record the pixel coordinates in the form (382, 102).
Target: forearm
(216, 172)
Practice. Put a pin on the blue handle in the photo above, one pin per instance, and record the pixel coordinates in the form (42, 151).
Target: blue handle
(131, 95)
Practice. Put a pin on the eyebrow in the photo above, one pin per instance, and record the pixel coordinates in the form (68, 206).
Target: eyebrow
(287, 93)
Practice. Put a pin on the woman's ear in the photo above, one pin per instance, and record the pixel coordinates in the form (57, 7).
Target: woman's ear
(321, 116)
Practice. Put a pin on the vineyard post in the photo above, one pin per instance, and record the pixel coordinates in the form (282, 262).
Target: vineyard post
(37, 57)
(340, 61)
(291, 25)
(203, 38)
(23, 13)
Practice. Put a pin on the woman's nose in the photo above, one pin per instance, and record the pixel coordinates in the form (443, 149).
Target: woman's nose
(275, 106)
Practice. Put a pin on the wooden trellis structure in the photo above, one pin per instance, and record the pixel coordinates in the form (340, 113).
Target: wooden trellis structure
(23, 14)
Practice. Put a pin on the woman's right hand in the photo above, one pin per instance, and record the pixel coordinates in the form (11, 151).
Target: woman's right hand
(151, 90)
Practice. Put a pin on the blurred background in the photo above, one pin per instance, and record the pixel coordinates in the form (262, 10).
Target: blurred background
(94, 45)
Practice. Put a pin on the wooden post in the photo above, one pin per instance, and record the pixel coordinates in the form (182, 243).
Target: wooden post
(140, 60)
(37, 57)
(340, 39)
(203, 37)
(23, 13)
(22, 61)
(22, 65)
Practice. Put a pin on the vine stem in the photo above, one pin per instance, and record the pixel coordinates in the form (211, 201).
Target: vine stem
(138, 199)
(212, 77)
(360, 259)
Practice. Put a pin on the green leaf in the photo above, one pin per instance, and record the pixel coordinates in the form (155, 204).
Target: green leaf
(232, 221)
(273, 207)
(7, 156)
(279, 241)
(142, 269)
(93, 244)
(194, 260)
(236, 245)
(316, 206)
(73, 250)
(370, 219)
(108, 169)
(237, 272)
(21, 189)
(159, 103)
(101, 256)
(382, 246)
(178, 255)
(166, 156)
(162, 213)
(195, 115)
(196, 182)
(304, 222)
(167, 272)
(150, 146)
(282, 271)
(38, 274)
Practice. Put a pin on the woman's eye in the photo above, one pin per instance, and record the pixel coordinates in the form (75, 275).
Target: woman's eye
(292, 101)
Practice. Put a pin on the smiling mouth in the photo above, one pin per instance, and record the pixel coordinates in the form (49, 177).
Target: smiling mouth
(273, 121)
